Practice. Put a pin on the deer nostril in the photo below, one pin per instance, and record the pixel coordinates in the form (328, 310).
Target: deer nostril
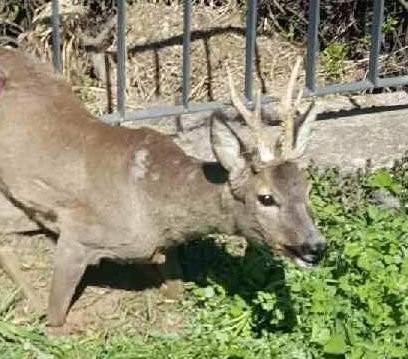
(317, 249)
(313, 252)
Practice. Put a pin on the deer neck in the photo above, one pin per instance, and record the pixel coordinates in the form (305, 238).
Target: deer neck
(215, 202)
(207, 205)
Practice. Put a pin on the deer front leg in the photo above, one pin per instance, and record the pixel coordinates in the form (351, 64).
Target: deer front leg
(71, 260)
(9, 263)
(172, 273)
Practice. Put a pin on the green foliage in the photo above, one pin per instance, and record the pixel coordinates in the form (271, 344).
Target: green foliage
(341, 21)
(354, 305)
(334, 56)
(389, 25)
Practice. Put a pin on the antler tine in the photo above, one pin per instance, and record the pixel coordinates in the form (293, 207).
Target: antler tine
(287, 111)
(298, 99)
(237, 103)
(254, 122)
(287, 99)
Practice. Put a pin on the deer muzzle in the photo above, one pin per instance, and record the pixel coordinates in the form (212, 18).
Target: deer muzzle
(308, 254)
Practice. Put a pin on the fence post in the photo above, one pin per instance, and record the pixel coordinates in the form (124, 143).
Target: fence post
(56, 37)
(186, 52)
(312, 45)
(311, 88)
(121, 70)
(375, 41)
(250, 47)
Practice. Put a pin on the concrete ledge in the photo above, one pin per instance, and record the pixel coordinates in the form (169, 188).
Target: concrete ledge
(348, 131)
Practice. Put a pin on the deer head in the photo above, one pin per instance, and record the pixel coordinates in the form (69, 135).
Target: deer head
(265, 181)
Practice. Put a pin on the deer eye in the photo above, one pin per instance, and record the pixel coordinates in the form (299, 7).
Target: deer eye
(267, 200)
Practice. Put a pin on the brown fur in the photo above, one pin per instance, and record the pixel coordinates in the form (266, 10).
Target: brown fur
(112, 192)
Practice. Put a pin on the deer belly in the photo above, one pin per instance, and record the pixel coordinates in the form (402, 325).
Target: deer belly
(35, 210)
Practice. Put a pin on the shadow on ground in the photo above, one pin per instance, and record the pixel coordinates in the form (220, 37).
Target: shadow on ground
(206, 262)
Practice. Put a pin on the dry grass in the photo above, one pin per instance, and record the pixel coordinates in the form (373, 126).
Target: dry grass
(154, 40)
(38, 39)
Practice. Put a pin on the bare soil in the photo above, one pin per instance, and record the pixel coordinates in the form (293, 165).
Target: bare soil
(110, 296)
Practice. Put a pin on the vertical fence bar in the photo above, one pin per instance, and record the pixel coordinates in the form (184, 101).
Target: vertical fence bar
(250, 47)
(186, 51)
(56, 38)
(121, 75)
(312, 44)
(378, 16)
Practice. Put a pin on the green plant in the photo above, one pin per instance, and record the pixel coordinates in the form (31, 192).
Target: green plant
(334, 56)
(389, 25)
(353, 306)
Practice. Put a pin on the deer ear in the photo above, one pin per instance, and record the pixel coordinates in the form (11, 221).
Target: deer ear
(226, 145)
(304, 130)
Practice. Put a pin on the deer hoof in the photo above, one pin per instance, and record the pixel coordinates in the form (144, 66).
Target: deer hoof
(55, 332)
(172, 289)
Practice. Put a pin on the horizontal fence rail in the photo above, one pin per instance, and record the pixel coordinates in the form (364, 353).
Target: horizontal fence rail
(372, 81)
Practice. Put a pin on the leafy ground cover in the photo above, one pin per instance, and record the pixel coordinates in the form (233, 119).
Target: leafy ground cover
(355, 305)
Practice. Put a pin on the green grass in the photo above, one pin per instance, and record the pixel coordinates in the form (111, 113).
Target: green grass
(355, 305)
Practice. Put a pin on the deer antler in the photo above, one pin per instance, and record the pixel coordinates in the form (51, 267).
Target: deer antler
(289, 147)
(247, 115)
(287, 112)
(294, 147)
(254, 122)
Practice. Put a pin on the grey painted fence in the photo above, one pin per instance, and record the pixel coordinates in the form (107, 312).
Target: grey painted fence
(373, 79)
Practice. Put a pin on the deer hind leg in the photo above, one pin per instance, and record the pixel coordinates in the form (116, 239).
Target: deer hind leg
(172, 273)
(9, 263)
(71, 260)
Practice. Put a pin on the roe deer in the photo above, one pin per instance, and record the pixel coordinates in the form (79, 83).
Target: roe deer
(126, 194)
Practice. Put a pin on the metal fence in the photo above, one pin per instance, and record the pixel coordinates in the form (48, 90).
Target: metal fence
(372, 81)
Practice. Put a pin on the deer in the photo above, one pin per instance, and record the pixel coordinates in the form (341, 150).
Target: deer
(111, 192)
